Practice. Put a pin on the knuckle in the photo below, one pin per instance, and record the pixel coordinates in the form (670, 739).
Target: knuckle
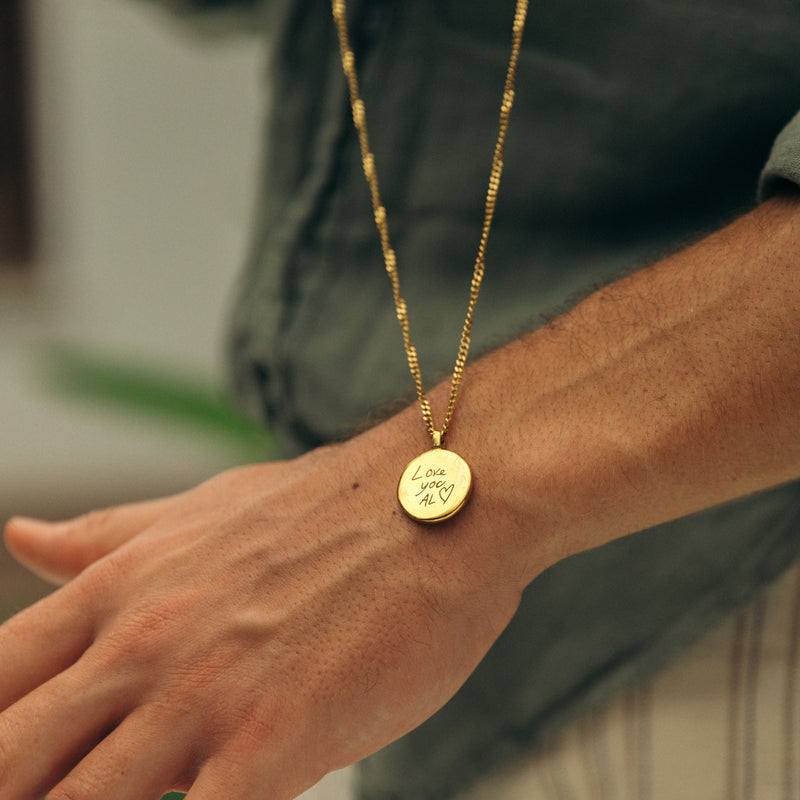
(95, 522)
(89, 594)
(263, 723)
(139, 635)
(87, 536)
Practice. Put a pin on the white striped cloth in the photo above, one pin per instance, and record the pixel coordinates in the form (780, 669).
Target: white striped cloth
(721, 723)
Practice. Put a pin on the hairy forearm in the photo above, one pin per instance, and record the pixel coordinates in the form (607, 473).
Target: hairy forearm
(286, 619)
(667, 392)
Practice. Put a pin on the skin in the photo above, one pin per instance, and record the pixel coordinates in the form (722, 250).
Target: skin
(282, 620)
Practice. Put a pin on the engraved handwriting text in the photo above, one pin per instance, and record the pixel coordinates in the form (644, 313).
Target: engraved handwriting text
(433, 486)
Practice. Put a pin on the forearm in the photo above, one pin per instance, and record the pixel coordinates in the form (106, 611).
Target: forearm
(286, 619)
(667, 392)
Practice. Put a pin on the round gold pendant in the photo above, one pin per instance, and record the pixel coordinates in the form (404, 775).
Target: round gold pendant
(435, 486)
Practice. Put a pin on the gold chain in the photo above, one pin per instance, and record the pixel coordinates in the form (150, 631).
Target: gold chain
(389, 257)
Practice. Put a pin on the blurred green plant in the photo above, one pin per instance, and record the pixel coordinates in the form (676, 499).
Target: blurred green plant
(150, 390)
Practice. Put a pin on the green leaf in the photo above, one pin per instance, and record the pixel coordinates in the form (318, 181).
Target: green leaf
(151, 390)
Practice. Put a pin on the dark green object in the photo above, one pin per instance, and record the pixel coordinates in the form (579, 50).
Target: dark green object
(149, 390)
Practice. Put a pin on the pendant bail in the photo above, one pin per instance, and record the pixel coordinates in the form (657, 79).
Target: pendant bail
(438, 438)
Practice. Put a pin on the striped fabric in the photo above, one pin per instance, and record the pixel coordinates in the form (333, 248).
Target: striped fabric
(719, 724)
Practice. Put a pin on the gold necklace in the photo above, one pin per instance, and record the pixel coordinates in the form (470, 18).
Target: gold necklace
(436, 484)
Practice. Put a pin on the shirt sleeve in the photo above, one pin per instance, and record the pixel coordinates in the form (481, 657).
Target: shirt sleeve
(782, 170)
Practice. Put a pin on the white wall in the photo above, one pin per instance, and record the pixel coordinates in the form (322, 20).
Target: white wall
(147, 148)
(149, 142)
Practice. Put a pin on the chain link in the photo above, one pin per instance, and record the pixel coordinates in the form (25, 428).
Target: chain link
(389, 257)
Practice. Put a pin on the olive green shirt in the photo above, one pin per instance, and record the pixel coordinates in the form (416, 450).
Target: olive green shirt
(637, 125)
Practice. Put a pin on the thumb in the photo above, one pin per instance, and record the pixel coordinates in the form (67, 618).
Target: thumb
(58, 551)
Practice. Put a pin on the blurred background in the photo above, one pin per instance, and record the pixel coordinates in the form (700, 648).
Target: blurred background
(129, 151)
(140, 144)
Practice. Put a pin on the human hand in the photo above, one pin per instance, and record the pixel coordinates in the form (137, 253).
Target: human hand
(239, 640)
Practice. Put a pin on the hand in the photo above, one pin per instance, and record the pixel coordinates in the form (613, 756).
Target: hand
(239, 640)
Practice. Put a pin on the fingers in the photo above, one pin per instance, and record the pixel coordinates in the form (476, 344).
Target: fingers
(58, 551)
(46, 732)
(42, 641)
(136, 761)
(62, 697)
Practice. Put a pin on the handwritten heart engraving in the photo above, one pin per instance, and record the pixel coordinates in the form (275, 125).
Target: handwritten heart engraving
(434, 486)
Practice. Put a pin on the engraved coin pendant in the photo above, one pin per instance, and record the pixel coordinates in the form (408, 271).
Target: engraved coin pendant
(435, 486)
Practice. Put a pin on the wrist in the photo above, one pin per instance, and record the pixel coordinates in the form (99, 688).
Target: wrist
(486, 542)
